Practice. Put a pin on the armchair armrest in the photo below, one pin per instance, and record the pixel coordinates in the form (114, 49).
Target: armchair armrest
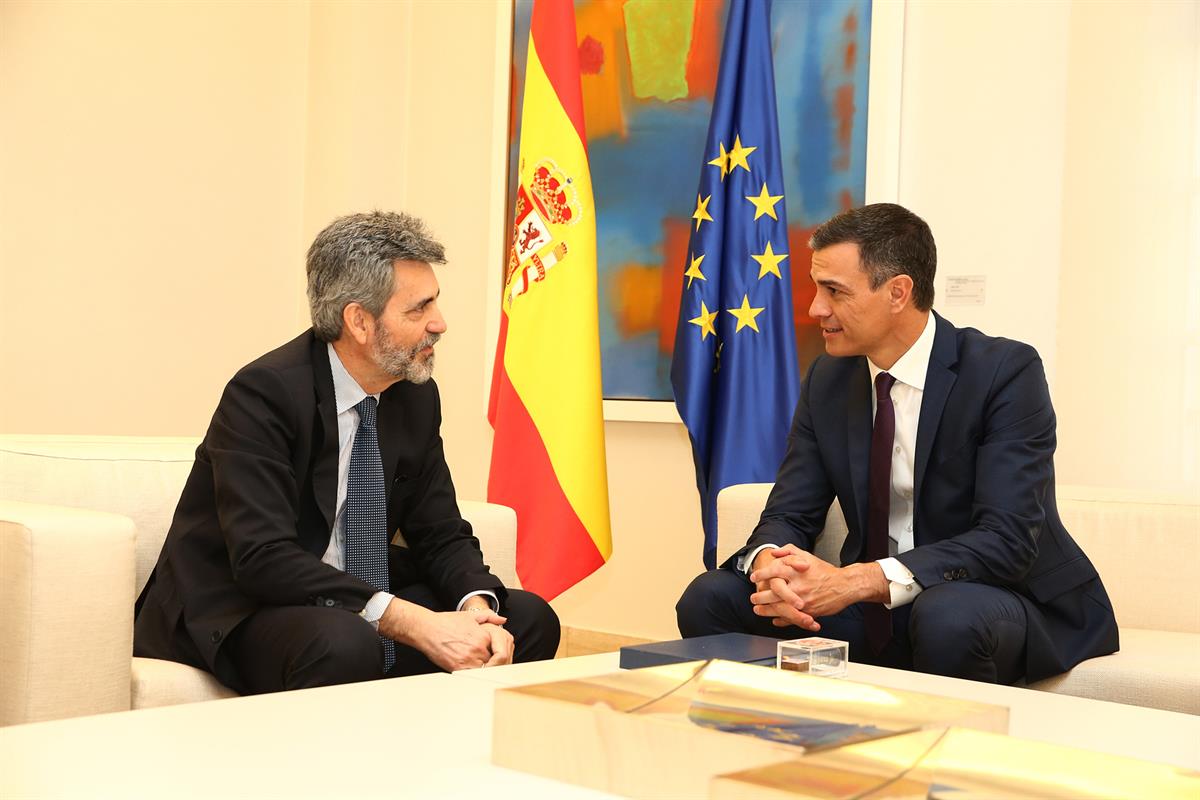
(495, 527)
(67, 594)
(739, 508)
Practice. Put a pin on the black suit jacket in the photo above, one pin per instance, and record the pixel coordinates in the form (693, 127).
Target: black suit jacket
(257, 510)
(984, 505)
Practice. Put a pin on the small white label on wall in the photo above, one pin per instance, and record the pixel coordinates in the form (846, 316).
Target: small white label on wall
(965, 290)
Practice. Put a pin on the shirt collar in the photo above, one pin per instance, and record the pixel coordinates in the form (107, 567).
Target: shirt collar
(911, 367)
(346, 391)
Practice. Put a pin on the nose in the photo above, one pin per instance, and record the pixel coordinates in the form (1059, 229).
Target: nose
(437, 323)
(818, 309)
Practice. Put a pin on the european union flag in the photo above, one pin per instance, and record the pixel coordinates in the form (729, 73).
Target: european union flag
(734, 371)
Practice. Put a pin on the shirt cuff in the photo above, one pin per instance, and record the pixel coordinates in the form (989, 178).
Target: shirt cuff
(375, 607)
(902, 584)
(493, 601)
(746, 564)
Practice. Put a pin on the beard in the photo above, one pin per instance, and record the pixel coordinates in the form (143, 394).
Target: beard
(403, 363)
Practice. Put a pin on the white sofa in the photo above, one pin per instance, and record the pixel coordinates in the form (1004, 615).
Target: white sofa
(1148, 555)
(82, 520)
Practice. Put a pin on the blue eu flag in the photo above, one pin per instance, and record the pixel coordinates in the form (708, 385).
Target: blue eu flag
(734, 371)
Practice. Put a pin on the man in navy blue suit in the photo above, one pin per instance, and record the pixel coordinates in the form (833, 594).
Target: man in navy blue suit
(938, 443)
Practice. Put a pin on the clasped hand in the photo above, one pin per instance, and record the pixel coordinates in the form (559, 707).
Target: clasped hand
(795, 587)
(450, 639)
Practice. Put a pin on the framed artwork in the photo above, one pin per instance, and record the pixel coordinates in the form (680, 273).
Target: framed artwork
(649, 74)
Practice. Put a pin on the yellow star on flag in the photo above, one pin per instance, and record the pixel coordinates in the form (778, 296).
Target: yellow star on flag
(737, 156)
(701, 213)
(768, 261)
(693, 271)
(764, 203)
(745, 315)
(705, 321)
(722, 161)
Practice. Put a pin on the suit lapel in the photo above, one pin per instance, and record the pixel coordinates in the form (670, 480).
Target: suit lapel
(391, 410)
(858, 441)
(326, 463)
(939, 380)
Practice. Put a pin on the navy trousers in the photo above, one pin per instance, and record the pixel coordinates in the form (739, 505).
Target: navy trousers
(961, 629)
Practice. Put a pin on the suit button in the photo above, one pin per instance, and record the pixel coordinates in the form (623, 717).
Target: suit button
(215, 637)
(329, 602)
(948, 575)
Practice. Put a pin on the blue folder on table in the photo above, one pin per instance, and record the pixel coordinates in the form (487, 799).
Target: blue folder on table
(741, 647)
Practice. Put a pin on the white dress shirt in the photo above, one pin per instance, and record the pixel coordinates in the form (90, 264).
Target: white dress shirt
(348, 394)
(909, 372)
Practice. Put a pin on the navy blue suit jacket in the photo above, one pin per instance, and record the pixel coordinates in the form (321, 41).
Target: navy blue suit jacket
(984, 506)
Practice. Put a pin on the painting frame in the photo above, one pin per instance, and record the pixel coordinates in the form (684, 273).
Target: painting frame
(884, 95)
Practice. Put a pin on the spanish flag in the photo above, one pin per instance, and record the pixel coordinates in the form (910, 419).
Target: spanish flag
(546, 408)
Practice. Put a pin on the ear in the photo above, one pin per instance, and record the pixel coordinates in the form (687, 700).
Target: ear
(900, 290)
(357, 323)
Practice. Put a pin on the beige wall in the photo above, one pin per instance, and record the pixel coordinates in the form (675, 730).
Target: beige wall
(162, 170)
(151, 184)
(1129, 307)
(981, 155)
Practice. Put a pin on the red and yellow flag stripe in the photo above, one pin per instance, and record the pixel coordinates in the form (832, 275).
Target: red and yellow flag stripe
(548, 459)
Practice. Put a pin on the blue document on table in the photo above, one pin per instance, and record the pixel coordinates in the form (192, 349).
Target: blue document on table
(741, 647)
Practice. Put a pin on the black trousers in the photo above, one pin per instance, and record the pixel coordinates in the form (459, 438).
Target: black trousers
(962, 630)
(297, 647)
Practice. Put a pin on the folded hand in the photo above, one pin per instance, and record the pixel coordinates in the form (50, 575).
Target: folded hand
(450, 639)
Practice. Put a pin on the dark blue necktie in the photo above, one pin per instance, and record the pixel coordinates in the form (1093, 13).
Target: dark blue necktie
(366, 513)
(879, 499)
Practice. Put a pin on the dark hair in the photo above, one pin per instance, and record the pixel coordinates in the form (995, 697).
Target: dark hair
(891, 241)
(351, 262)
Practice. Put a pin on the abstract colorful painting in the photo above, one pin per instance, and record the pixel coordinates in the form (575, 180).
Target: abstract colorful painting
(649, 73)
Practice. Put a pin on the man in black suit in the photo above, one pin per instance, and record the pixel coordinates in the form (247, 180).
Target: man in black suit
(938, 443)
(278, 571)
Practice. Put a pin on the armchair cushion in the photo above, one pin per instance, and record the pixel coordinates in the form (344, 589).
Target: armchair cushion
(140, 477)
(1154, 668)
(166, 683)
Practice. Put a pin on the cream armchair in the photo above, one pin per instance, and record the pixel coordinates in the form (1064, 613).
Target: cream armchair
(1147, 552)
(82, 520)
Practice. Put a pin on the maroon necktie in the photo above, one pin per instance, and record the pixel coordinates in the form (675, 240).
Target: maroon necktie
(879, 491)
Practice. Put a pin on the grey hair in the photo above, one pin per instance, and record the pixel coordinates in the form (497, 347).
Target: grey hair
(351, 262)
(891, 241)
